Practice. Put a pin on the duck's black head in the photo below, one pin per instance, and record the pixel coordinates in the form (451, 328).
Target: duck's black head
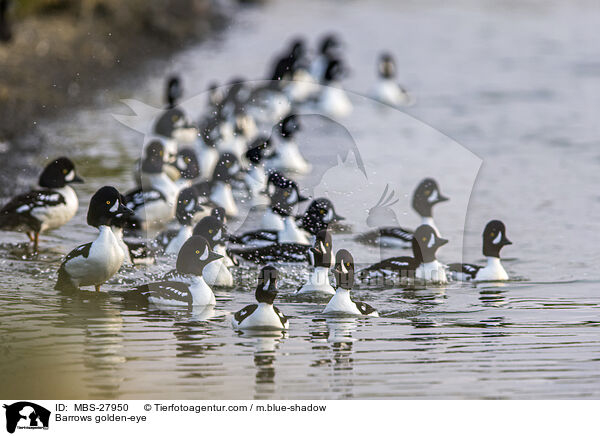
(286, 198)
(322, 208)
(212, 230)
(343, 270)
(426, 195)
(426, 243)
(174, 91)
(319, 215)
(494, 238)
(266, 289)
(187, 206)
(187, 163)
(171, 119)
(275, 180)
(256, 150)
(297, 48)
(322, 250)
(335, 71)
(386, 66)
(289, 126)
(227, 168)
(106, 205)
(154, 158)
(194, 255)
(58, 174)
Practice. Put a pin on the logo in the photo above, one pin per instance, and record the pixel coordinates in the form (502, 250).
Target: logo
(26, 415)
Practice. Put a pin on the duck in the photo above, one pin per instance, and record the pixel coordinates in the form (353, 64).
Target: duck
(216, 273)
(426, 195)
(334, 101)
(422, 265)
(226, 170)
(185, 286)
(282, 202)
(188, 166)
(387, 90)
(494, 238)
(231, 140)
(341, 304)
(287, 156)
(169, 156)
(329, 47)
(319, 215)
(45, 209)
(321, 259)
(276, 181)
(92, 264)
(255, 176)
(288, 245)
(173, 122)
(187, 206)
(264, 315)
(154, 202)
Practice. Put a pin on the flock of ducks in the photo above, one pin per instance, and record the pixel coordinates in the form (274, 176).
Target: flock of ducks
(189, 184)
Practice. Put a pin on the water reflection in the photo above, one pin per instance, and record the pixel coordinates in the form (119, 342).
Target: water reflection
(101, 326)
(265, 346)
(341, 339)
(493, 297)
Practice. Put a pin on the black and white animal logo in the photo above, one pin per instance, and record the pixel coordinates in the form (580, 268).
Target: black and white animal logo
(26, 415)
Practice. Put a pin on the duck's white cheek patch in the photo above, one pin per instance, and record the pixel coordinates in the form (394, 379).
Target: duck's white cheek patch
(431, 241)
(267, 285)
(181, 163)
(190, 206)
(322, 247)
(329, 215)
(205, 254)
(293, 197)
(344, 270)
(498, 238)
(69, 177)
(114, 207)
(218, 235)
(433, 197)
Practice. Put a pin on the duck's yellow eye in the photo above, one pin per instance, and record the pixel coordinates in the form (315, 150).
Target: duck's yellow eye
(160, 153)
(423, 239)
(65, 171)
(492, 234)
(107, 201)
(187, 160)
(210, 231)
(327, 244)
(174, 118)
(197, 251)
(286, 194)
(186, 201)
(347, 263)
(228, 164)
(322, 211)
(427, 192)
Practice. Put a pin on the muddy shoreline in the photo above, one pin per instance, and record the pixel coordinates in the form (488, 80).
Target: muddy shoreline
(60, 60)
